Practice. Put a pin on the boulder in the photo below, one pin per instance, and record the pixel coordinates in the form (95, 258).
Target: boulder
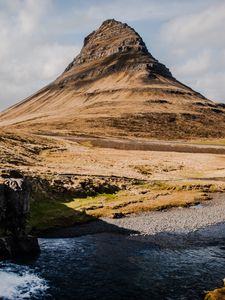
(17, 193)
(14, 209)
(25, 246)
(18, 247)
(2, 207)
(6, 246)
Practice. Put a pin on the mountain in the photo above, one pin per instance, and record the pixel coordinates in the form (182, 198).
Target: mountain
(115, 87)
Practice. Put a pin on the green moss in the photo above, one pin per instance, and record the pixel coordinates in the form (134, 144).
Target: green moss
(50, 209)
(50, 212)
(160, 186)
(95, 201)
(96, 198)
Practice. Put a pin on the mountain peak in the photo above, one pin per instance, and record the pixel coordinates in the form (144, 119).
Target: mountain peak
(115, 32)
(117, 44)
(111, 22)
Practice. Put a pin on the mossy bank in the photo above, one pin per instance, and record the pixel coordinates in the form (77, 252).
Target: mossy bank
(63, 201)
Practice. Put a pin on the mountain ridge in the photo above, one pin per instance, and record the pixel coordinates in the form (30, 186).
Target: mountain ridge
(116, 87)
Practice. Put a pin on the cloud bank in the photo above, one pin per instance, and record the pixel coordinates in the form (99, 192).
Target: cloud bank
(29, 57)
(196, 43)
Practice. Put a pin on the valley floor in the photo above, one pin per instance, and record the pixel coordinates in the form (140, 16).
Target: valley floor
(77, 179)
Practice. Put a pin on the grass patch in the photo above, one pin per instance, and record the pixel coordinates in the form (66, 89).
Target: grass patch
(48, 212)
(160, 186)
(92, 203)
(219, 142)
(87, 144)
(51, 214)
(157, 196)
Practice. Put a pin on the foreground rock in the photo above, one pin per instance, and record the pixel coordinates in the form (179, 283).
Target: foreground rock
(217, 294)
(18, 247)
(14, 203)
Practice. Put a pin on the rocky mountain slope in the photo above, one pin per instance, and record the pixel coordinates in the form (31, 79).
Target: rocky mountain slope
(115, 87)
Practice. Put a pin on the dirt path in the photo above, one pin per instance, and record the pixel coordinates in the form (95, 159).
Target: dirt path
(127, 144)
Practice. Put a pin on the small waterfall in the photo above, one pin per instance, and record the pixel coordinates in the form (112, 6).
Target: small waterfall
(18, 282)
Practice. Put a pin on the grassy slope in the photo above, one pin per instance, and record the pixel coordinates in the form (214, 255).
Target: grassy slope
(50, 212)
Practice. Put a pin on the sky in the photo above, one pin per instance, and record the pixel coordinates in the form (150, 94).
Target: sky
(39, 38)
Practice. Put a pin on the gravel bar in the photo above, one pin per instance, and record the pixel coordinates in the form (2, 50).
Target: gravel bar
(176, 219)
(172, 221)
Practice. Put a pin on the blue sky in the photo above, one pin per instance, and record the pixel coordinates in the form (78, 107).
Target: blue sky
(40, 37)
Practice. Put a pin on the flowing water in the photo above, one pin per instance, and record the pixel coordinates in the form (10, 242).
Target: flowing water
(114, 266)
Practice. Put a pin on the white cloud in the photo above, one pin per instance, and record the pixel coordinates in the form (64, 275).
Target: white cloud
(93, 12)
(199, 29)
(195, 66)
(29, 58)
(195, 45)
(213, 83)
(30, 15)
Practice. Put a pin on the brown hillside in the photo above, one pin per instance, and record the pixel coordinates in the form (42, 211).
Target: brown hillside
(116, 87)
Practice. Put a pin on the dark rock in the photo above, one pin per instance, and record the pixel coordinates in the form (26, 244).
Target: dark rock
(17, 192)
(6, 245)
(221, 105)
(2, 207)
(26, 245)
(118, 215)
(14, 247)
(200, 104)
(217, 111)
(14, 209)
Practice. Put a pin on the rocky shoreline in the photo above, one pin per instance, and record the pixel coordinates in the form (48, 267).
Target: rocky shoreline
(178, 221)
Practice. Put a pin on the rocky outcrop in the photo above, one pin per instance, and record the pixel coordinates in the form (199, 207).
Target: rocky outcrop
(2, 206)
(14, 204)
(12, 247)
(17, 192)
(122, 45)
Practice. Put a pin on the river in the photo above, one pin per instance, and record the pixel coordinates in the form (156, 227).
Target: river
(115, 266)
